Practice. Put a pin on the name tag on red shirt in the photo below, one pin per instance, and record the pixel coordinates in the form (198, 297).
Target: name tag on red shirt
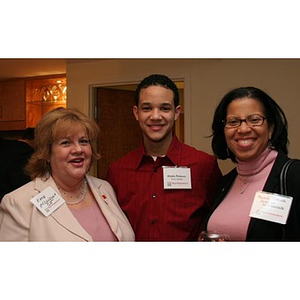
(177, 177)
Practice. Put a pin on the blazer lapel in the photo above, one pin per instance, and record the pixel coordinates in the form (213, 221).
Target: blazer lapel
(272, 183)
(63, 215)
(65, 218)
(105, 208)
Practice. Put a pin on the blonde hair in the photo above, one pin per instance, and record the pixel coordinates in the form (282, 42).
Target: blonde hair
(54, 125)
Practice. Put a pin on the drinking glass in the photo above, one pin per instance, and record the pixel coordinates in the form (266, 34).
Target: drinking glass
(213, 236)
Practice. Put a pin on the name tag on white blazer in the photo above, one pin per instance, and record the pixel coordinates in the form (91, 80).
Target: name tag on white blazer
(47, 201)
(271, 207)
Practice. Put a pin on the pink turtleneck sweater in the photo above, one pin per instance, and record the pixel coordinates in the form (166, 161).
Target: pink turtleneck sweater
(232, 215)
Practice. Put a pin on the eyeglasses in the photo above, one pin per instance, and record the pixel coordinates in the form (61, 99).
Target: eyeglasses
(252, 121)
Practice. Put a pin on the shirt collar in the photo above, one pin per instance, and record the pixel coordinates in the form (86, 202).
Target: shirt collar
(173, 153)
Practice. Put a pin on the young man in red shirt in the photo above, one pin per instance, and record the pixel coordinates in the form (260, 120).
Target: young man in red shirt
(165, 187)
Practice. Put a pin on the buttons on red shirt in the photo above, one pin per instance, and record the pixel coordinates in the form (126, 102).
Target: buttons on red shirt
(172, 215)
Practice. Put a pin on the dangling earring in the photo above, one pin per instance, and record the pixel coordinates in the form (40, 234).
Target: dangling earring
(48, 171)
(270, 146)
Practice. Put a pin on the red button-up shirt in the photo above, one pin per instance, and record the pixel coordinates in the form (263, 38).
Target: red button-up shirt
(158, 214)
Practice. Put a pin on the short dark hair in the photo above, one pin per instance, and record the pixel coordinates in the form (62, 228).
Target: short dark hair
(157, 79)
(274, 114)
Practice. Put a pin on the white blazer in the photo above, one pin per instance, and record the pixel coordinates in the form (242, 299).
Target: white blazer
(20, 220)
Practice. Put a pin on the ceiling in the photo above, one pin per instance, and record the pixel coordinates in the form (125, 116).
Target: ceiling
(19, 68)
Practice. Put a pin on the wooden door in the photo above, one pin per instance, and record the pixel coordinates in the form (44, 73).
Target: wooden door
(119, 131)
(12, 105)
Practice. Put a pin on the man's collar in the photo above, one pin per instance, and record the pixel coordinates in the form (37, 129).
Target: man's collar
(173, 152)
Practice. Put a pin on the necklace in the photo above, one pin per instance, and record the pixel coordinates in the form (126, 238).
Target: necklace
(245, 182)
(79, 198)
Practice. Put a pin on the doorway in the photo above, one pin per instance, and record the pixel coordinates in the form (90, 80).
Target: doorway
(119, 131)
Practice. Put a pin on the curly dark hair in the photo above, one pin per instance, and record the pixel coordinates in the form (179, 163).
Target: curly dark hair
(274, 114)
(157, 79)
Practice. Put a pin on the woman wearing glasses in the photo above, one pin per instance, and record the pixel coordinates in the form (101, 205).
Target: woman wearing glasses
(251, 129)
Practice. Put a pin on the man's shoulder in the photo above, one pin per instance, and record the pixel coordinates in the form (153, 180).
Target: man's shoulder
(128, 158)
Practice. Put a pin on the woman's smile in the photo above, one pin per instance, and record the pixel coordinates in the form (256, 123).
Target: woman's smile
(71, 156)
(246, 142)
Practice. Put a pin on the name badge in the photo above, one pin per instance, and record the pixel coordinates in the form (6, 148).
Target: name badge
(177, 178)
(47, 201)
(271, 207)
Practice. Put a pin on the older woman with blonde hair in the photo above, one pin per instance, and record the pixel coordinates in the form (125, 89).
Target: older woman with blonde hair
(63, 202)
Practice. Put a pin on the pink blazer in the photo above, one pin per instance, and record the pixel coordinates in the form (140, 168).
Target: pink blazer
(20, 220)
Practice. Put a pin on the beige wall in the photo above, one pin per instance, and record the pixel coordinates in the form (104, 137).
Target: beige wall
(205, 80)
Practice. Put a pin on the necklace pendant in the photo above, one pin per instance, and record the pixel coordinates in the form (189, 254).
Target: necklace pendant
(244, 183)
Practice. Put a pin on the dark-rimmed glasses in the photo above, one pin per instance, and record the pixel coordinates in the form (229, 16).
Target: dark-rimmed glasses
(252, 121)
